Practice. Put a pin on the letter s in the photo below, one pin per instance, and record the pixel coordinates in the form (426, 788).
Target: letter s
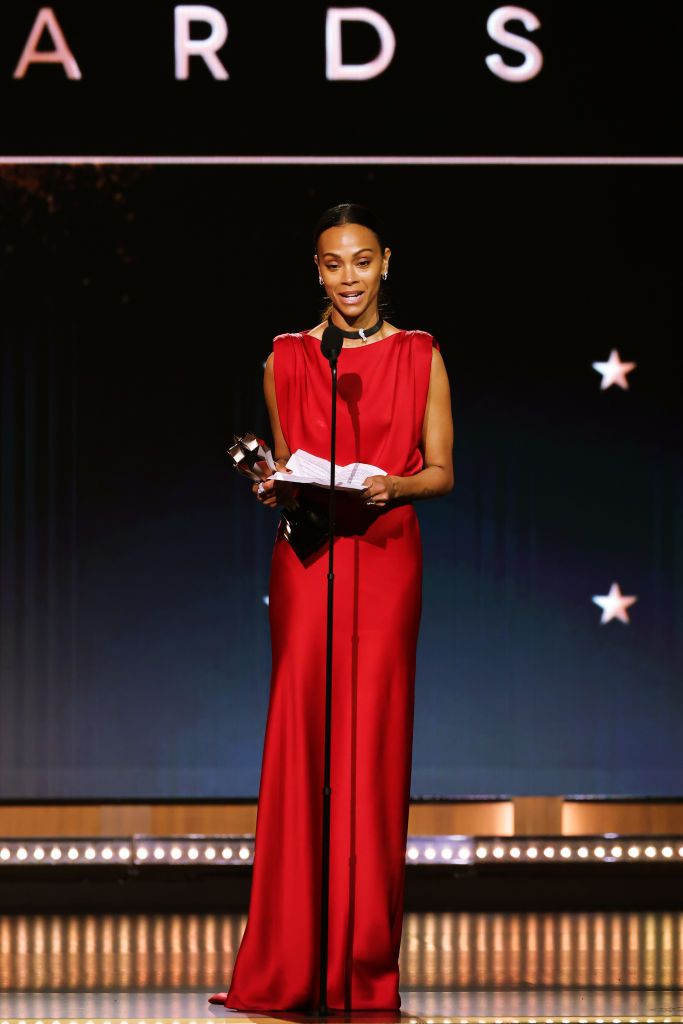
(533, 58)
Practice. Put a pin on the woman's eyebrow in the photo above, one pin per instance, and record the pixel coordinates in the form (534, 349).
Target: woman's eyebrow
(366, 249)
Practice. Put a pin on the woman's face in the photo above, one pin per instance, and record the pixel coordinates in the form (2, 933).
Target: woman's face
(351, 264)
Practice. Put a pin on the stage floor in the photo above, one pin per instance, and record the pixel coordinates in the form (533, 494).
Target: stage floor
(488, 967)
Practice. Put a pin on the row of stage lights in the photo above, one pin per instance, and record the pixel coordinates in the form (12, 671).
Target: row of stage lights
(139, 851)
(609, 848)
(424, 850)
(411, 1020)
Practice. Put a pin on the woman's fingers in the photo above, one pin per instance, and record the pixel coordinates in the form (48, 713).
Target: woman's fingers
(264, 490)
(376, 497)
(272, 492)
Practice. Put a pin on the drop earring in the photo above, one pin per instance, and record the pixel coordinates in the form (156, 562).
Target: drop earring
(320, 278)
(384, 275)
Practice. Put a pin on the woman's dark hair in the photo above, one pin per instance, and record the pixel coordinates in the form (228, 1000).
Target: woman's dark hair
(354, 213)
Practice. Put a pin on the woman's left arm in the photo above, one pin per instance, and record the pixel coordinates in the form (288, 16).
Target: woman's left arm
(437, 439)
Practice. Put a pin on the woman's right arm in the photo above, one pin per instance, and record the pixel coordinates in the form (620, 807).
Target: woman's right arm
(274, 492)
(281, 451)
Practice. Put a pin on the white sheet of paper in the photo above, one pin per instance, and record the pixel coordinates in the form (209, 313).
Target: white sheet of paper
(311, 469)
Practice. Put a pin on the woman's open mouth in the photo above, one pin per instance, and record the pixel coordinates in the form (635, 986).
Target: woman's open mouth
(350, 298)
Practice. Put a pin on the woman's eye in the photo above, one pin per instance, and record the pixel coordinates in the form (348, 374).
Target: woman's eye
(364, 263)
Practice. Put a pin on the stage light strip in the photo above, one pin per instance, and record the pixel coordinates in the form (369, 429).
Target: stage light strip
(608, 848)
(138, 850)
(238, 850)
(359, 160)
(238, 1017)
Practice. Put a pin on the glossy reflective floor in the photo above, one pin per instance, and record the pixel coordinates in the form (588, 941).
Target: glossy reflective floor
(611, 967)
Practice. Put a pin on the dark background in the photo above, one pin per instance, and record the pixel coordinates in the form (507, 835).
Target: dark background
(139, 303)
(610, 82)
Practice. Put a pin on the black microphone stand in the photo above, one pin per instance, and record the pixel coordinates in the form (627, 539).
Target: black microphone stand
(331, 344)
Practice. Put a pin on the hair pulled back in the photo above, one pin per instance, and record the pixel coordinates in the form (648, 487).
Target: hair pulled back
(354, 213)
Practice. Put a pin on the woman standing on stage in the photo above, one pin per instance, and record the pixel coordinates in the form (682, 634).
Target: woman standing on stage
(394, 412)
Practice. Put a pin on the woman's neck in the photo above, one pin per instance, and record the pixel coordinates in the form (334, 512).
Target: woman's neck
(367, 319)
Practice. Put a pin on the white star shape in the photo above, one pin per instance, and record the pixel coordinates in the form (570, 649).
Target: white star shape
(614, 604)
(614, 371)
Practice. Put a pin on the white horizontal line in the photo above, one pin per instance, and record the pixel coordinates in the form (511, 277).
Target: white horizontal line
(562, 161)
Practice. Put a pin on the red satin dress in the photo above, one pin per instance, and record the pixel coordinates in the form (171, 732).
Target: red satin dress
(382, 394)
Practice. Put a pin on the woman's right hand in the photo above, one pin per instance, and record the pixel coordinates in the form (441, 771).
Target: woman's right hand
(275, 492)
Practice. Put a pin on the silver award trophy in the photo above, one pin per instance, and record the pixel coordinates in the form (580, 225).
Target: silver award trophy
(305, 529)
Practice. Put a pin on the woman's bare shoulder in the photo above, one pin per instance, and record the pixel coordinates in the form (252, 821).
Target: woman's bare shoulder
(317, 331)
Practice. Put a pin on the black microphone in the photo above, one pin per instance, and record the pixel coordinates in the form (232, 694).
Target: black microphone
(331, 342)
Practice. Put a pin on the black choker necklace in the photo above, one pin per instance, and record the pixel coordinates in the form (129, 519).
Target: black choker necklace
(363, 333)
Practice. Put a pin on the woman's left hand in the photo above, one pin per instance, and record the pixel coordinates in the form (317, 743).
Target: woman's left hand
(380, 489)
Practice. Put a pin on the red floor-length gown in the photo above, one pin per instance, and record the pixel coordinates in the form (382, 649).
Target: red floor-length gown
(382, 394)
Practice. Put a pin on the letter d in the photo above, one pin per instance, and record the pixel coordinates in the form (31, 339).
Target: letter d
(335, 67)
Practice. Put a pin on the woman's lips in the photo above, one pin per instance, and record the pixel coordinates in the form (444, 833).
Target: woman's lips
(351, 298)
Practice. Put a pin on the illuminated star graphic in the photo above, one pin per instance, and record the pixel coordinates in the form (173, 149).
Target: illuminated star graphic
(614, 371)
(614, 604)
